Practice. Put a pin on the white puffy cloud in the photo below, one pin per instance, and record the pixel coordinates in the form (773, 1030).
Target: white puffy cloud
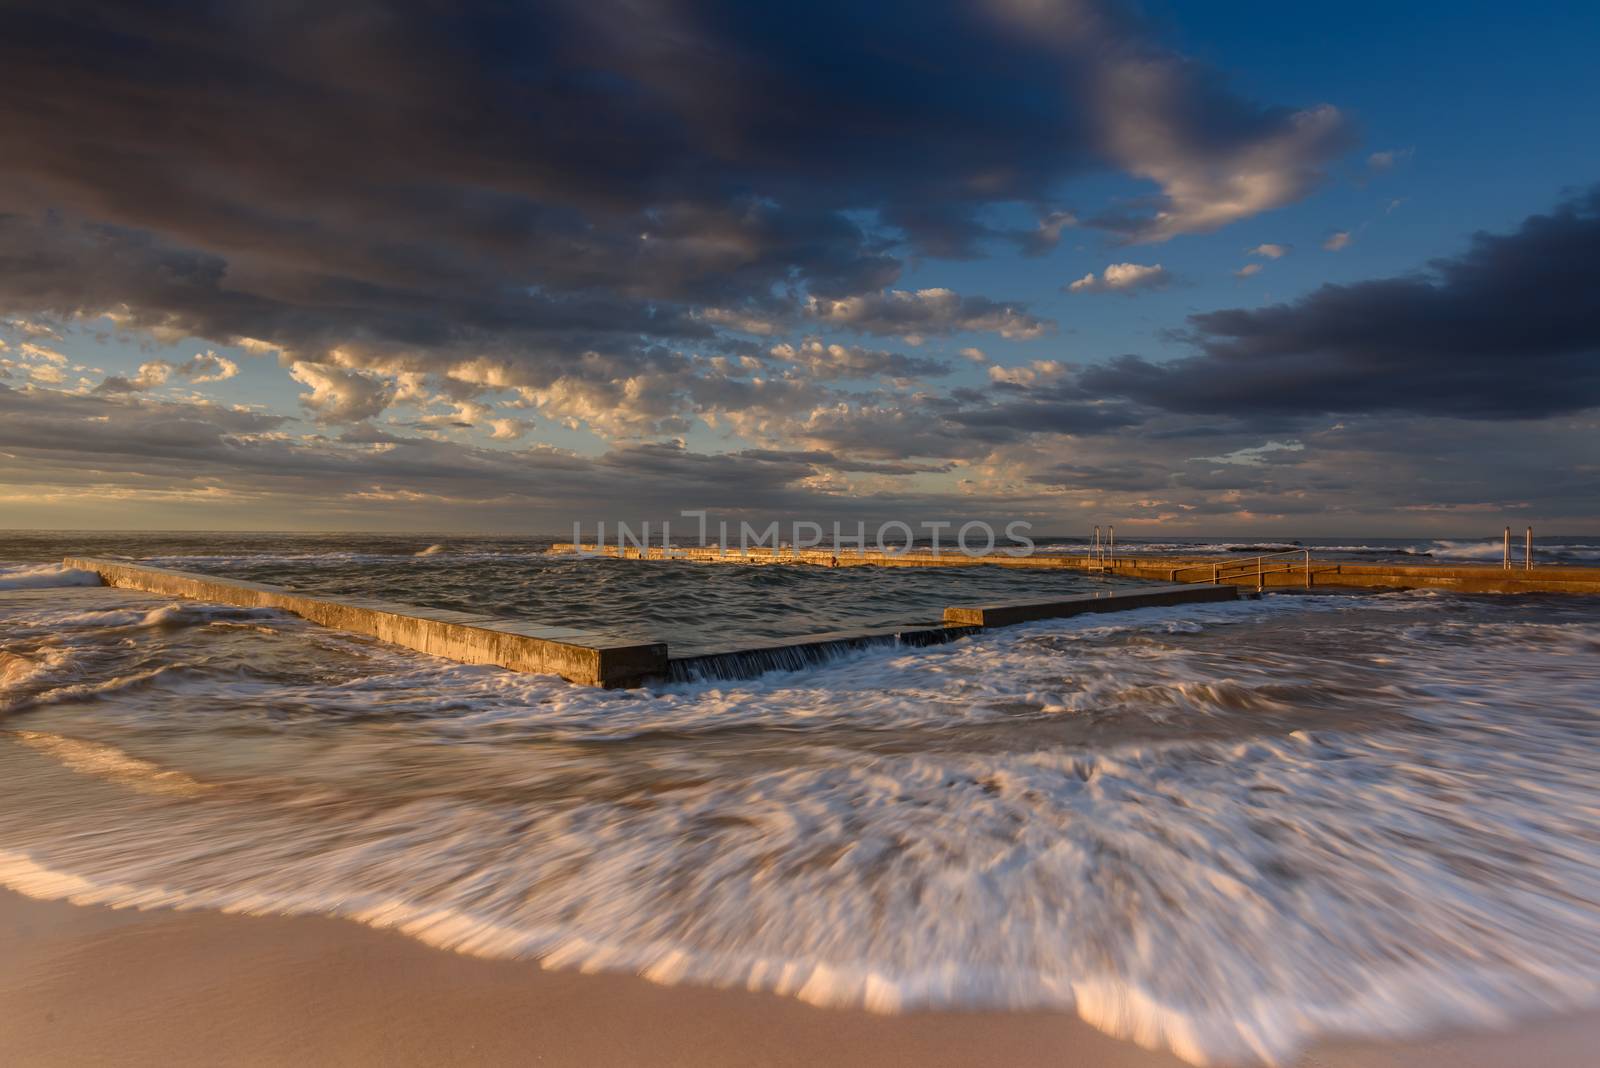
(1389, 158)
(339, 395)
(1271, 251)
(1215, 157)
(508, 429)
(831, 360)
(40, 352)
(207, 367)
(1035, 373)
(1247, 270)
(1337, 241)
(762, 324)
(1122, 278)
(635, 406)
(202, 367)
(1206, 187)
(461, 415)
(152, 373)
(33, 328)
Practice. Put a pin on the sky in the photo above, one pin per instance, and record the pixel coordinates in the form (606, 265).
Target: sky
(1239, 268)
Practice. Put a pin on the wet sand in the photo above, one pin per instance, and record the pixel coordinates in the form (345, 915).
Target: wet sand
(92, 985)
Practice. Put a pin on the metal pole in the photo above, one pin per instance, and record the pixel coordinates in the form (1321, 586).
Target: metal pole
(1527, 552)
(1214, 575)
(1505, 559)
(1260, 575)
(1308, 569)
(1113, 544)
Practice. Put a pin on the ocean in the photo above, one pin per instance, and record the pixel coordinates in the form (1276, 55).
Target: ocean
(1224, 829)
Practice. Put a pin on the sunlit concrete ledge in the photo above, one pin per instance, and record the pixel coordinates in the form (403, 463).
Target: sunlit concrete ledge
(519, 645)
(1236, 570)
(1121, 600)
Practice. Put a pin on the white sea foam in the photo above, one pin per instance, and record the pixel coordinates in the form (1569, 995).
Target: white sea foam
(20, 669)
(80, 624)
(189, 613)
(1471, 550)
(109, 762)
(1226, 830)
(1493, 550)
(44, 576)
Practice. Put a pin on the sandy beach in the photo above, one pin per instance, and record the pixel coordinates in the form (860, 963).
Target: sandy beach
(92, 985)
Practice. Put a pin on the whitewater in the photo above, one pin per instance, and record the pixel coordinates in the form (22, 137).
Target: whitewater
(1227, 830)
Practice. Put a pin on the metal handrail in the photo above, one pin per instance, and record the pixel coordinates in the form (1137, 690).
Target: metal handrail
(1101, 555)
(1219, 567)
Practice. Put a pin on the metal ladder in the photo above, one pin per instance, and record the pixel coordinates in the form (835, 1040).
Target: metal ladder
(1102, 555)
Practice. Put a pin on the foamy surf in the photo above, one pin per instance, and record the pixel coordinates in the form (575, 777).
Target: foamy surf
(1248, 1016)
(1227, 832)
(110, 763)
(44, 576)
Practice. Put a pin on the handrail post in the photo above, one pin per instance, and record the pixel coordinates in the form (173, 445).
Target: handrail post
(1114, 544)
(1260, 575)
(1505, 558)
(1214, 580)
(1527, 553)
(1308, 569)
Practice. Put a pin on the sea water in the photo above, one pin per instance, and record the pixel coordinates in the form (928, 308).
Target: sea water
(1227, 830)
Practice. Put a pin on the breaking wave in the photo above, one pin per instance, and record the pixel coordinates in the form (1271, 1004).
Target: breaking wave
(44, 576)
(1225, 830)
(1492, 551)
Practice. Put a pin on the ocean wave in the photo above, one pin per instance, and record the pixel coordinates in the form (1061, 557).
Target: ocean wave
(1493, 551)
(1472, 550)
(21, 669)
(84, 691)
(45, 576)
(1224, 901)
(191, 613)
(108, 762)
(79, 624)
(1225, 830)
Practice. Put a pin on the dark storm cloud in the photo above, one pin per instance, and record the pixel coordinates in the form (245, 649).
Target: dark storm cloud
(541, 180)
(1509, 329)
(118, 430)
(148, 285)
(1050, 417)
(965, 424)
(1123, 475)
